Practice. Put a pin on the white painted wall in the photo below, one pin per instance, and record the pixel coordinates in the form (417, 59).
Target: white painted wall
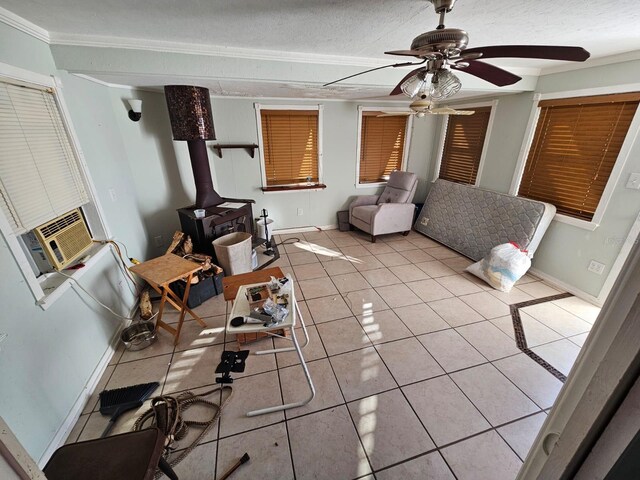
(49, 356)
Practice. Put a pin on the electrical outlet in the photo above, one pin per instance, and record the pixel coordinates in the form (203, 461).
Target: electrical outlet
(300, 212)
(113, 194)
(158, 240)
(424, 221)
(596, 267)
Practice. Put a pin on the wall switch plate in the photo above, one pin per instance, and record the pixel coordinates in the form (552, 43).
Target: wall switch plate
(113, 195)
(158, 240)
(596, 267)
(634, 181)
(300, 211)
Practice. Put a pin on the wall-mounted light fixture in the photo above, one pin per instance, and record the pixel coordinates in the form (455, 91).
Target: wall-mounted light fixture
(136, 109)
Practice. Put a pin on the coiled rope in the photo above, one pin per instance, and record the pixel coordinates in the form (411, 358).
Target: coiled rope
(166, 414)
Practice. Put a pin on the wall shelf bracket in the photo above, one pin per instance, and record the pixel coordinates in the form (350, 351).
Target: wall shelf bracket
(249, 147)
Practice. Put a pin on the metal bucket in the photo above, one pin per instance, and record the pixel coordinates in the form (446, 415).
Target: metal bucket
(138, 336)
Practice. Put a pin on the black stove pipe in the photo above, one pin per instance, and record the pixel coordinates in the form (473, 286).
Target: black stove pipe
(206, 196)
(192, 121)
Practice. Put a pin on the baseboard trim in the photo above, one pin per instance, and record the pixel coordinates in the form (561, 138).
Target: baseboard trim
(319, 228)
(566, 287)
(74, 414)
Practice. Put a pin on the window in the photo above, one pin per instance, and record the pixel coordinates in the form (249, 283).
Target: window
(574, 149)
(382, 145)
(290, 147)
(464, 146)
(42, 176)
(39, 175)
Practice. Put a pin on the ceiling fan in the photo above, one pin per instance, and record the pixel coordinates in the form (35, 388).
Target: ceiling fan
(445, 49)
(422, 107)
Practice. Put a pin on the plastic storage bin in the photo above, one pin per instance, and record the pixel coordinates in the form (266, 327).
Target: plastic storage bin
(233, 252)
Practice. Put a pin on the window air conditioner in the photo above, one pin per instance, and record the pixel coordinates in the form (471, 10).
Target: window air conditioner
(64, 239)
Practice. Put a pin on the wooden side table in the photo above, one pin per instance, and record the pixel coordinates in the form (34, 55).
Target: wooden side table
(160, 272)
(231, 284)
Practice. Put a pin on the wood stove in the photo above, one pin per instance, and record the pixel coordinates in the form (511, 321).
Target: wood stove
(192, 121)
(233, 215)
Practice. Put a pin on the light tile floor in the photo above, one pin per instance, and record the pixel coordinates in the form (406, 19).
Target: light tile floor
(414, 362)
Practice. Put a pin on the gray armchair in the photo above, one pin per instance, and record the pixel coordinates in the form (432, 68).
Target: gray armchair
(390, 212)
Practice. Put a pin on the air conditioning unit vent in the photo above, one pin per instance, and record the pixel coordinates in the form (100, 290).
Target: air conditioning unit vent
(64, 239)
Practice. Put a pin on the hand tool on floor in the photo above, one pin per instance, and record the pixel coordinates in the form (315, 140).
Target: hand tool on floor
(117, 401)
(234, 467)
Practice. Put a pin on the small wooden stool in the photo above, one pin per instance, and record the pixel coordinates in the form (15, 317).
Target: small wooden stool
(160, 272)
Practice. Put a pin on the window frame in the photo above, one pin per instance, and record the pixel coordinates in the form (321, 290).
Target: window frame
(92, 210)
(405, 148)
(263, 169)
(618, 168)
(487, 137)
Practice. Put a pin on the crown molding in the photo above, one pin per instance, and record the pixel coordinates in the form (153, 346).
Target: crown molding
(24, 25)
(101, 41)
(595, 62)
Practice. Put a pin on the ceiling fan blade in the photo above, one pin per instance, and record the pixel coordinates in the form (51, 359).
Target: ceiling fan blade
(395, 114)
(450, 111)
(397, 90)
(574, 54)
(488, 72)
(406, 53)
(394, 65)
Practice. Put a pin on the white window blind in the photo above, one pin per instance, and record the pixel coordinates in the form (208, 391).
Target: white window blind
(39, 175)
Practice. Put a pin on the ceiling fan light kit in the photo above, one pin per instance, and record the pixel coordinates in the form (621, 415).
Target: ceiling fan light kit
(444, 49)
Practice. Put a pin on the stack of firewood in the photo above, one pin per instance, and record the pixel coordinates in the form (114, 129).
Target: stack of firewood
(182, 246)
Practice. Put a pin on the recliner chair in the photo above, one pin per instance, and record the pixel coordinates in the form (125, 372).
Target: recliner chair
(390, 212)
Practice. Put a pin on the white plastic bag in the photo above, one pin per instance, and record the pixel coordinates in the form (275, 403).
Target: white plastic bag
(503, 267)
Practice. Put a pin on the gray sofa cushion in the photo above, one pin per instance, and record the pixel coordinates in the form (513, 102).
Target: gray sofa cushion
(400, 188)
(472, 221)
(365, 213)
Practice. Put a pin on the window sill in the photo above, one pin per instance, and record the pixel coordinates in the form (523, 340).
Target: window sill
(291, 188)
(371, 185)
(576, 222)
(54, 285)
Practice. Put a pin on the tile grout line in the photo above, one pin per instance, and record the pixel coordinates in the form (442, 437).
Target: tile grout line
(345, 406)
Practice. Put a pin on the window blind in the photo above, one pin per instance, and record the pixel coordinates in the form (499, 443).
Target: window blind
(290, 146)
(39, 175)
(463, 145)
(381, 146)
(574, 149)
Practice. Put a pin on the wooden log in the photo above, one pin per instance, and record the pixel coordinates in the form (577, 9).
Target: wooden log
(178, 238)
(146, 310)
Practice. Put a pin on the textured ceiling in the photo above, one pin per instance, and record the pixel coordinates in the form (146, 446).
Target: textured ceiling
(346, 30)
(361, 28)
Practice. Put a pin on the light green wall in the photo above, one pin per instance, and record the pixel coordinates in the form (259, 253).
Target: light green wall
(164, 181)
(566, 250)
(50, 355)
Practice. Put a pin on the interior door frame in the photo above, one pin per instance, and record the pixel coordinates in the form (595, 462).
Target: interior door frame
(16, 457)
(602, 376)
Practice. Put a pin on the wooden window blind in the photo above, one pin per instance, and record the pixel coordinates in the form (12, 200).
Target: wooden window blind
(574, 149)
(463, 146)
(381, 146)
(290, 147)
(39, 174)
